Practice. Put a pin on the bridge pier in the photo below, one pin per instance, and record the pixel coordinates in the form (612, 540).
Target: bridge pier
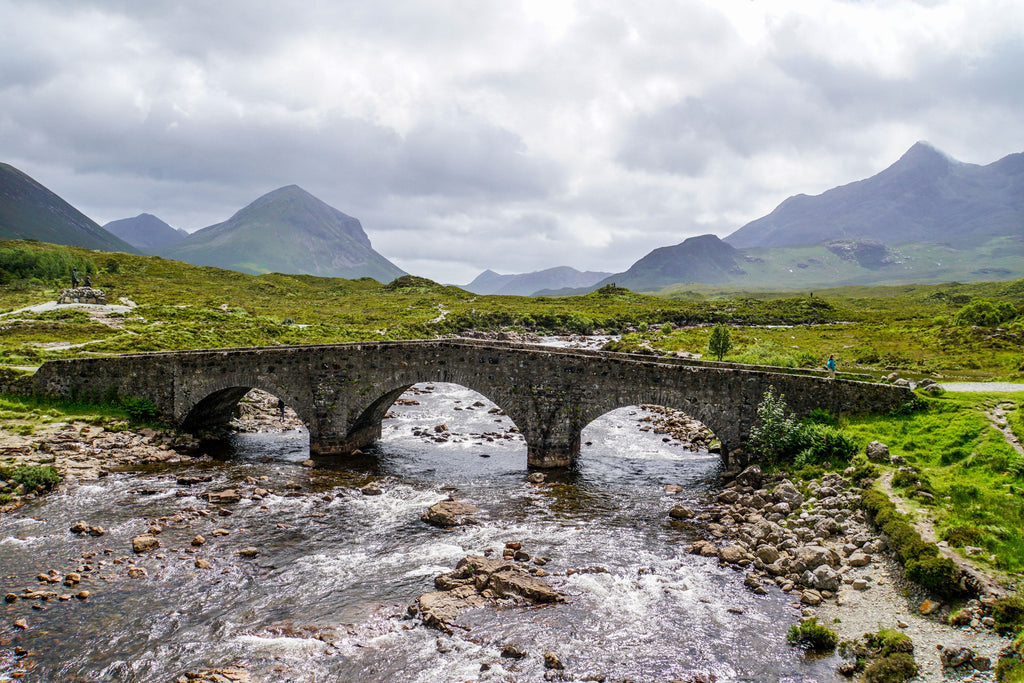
(327, 445)
(544, 454)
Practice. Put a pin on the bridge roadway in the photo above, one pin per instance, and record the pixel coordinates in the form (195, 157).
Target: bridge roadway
(342, 391)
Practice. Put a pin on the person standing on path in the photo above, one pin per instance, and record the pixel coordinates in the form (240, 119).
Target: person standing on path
(74, 278)
(831, 365)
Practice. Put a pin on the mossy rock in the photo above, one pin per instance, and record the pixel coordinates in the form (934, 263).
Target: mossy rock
(892, 669)
(812, 636)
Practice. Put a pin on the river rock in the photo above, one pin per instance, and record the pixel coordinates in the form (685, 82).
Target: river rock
(858, 559)
(981, 663)
(512, 651)
(536, 478)
(202, 564)
(786, 492)
(732, 554)
(751, 476)
(767, 554)
(475, 580)
(877, 452)
(137, 572)
(371, 489)
(141, 544)
(551, 661)
(680, 512)
(953, 656)
(811, 597)
(450, 513)
(21, 623)
(440, 608)
(249, 552)
(230, 674)
(225, 497)
(810, 557)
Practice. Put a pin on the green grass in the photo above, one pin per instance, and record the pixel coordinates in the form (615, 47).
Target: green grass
(977, 478)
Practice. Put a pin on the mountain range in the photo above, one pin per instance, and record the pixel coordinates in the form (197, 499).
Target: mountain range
(926, 196)
(526, 284)
(926, 218)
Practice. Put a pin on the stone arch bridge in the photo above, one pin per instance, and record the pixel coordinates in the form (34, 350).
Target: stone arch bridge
(342, 391)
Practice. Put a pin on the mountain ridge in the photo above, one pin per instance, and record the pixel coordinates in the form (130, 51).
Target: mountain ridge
(925, 196)
(287, 230)
(528, 284)
(145, 231)
(30, 210)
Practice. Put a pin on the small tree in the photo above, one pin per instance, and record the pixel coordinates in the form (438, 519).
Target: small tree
(720, 343)
(776, 426)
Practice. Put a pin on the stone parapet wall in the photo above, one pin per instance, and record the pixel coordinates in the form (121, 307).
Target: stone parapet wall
(82, 295)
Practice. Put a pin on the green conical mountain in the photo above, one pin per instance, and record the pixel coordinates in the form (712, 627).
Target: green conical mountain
(286, 231)
(30, 211)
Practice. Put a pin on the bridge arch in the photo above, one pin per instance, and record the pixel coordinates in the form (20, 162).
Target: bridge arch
(721, 422)
(213, 403)
(366, 417)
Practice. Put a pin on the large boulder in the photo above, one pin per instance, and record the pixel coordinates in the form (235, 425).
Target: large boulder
(787, 492)
(450, 513)
(810, 557)
(751, 477)
(877, 452)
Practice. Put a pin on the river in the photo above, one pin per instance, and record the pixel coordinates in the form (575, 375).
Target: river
(344, 566)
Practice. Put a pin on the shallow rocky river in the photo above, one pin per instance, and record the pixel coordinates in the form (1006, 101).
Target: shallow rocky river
(331, 572)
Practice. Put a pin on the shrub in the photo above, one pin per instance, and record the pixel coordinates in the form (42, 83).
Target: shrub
(819, 443)
(32, 477)
(916, 550)
(984, 313)
(1010, 670)
(1008, 614)
(892, 669)
(823, 417)
(960, 536)
(139, 409)
(920, 561)
(812, 636)
(5, 499)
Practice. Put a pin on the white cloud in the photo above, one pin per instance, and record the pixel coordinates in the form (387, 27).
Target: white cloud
(514, 136)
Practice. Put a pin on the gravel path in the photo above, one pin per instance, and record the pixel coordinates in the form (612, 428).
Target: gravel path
(982, 386)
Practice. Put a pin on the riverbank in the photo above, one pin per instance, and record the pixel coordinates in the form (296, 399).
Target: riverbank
(821, 549)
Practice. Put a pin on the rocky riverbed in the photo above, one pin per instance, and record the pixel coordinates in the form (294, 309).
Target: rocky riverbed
(817, 545)
(206, 528)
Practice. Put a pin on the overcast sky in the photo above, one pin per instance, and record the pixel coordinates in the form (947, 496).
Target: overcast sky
(513, 135)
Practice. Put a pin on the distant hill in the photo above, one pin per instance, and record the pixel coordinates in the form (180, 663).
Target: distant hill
(926, 196)
(286, 231)
(527, 284)
(30, 211)
(705, 259)
(145, 231)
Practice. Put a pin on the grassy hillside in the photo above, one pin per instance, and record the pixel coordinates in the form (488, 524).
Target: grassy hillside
(910, 328)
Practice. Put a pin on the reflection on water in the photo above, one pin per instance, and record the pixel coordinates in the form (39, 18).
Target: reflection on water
(326, 595)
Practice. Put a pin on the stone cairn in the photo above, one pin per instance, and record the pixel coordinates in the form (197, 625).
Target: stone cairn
(82, 295)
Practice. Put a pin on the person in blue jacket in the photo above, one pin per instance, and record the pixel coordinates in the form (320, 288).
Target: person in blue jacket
(831, 365)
